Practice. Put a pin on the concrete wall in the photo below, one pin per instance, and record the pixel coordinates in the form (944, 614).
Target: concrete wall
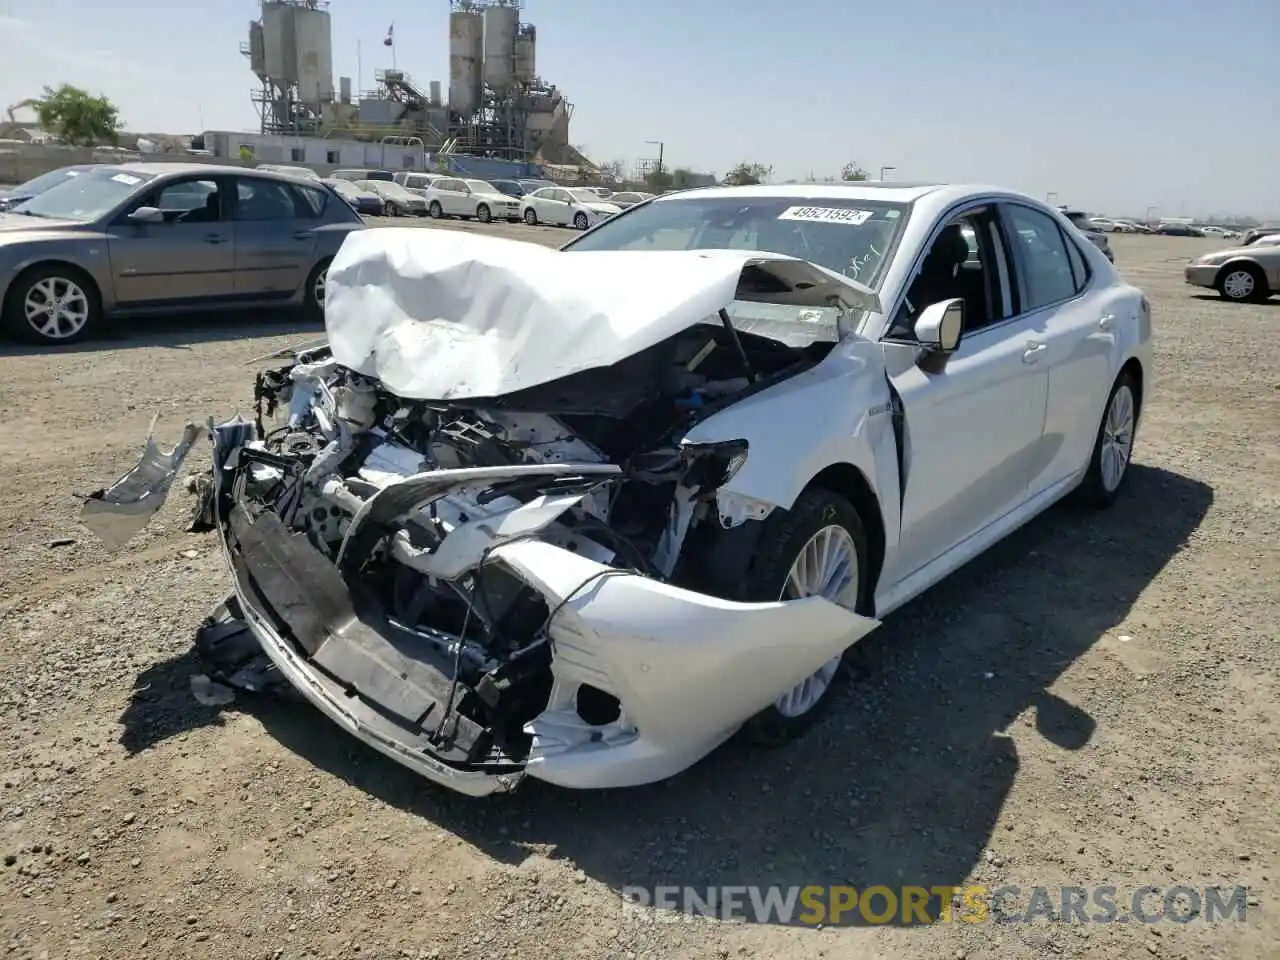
(20, 162)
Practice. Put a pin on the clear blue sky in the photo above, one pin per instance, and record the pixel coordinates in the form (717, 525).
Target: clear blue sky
(1111, 104)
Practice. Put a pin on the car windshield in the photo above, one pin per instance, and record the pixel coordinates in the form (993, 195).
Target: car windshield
(848, 236)
(46, 180)
(852, 237)
(87, 197)
(480, 186)
(345, 188)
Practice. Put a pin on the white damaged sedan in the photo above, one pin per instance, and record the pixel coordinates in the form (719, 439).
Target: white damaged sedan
(582, 514)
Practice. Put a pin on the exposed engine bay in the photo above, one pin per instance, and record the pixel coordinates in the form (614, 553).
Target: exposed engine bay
(345, 439)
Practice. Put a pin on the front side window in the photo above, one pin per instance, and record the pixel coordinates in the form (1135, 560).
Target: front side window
(187, 201)
(852, 237)
(1042, 258)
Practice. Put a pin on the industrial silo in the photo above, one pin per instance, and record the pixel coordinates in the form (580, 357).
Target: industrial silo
(500, 25)
(313, 54)
(466, 61)
(526, 54)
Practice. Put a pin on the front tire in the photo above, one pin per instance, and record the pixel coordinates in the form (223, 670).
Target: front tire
(483, 214)
(52, 305)
(531, 217)
(435, 211)
(817, 548)
(1243, 283)
(1113, 447)
(580, 221)
(392, 210)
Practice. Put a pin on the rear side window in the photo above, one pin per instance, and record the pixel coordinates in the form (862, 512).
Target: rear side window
(1079, 266)
(1042, 257)
(311, 202)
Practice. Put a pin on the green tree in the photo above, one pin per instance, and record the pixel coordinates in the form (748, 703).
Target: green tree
(76, 116)
(747, 173)
(852, 171)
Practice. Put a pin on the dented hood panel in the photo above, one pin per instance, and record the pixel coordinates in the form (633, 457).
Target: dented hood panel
(443, 315)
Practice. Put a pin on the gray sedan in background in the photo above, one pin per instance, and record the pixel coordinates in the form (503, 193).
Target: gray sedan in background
(140, 238)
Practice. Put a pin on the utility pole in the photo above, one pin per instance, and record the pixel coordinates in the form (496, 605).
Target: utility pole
(661, 146)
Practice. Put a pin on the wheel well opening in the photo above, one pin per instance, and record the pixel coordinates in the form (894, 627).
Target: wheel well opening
(1237, 265)
(80, 272)
(848, 481)
(1134, 369)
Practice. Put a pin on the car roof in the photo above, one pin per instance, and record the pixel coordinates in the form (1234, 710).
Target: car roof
(179, 169)
(893, 192)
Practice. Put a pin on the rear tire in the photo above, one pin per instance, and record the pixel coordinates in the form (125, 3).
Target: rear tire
(1243, 283)
(817, 513)
(1113, 447)
(52, 304)
(313, 293)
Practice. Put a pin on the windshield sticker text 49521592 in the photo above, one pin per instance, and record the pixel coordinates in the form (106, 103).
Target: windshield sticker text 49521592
(826, 215)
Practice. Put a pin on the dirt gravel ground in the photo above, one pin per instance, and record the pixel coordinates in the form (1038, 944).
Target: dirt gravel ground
(1094, 702)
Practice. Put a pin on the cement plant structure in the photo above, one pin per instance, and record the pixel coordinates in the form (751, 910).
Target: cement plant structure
(496, 104)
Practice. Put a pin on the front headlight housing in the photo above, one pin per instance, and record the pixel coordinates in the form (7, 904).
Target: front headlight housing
(1212, 259)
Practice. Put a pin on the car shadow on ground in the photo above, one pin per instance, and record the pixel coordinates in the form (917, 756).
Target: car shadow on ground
(177, 332)
(902, 781)
(1214, 298)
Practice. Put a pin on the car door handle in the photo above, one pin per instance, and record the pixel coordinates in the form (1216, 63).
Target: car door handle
(1105, 321)
(304, 235)
(1033, 351)
(215, 238)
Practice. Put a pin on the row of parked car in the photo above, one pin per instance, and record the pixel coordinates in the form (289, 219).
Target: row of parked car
(374, 192)
(88, 241)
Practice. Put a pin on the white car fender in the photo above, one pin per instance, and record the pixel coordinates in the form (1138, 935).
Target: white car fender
(840, 412)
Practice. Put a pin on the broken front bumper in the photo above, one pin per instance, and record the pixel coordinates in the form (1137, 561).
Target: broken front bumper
(687, 669)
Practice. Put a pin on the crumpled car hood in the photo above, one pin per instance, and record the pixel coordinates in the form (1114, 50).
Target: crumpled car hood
(444, 315)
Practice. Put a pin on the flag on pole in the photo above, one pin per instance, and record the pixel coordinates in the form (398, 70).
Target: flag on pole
(390, 41)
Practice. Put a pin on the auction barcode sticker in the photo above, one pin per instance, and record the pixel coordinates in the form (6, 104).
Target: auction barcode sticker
(826, 215)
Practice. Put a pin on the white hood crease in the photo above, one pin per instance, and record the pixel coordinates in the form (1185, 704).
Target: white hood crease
(446, 315)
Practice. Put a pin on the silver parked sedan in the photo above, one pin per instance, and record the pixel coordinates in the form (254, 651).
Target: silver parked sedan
(140, 238)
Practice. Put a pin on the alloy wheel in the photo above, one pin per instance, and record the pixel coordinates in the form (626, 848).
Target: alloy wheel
(827, 566)
(56, 308)
(1117, 438)
(317, 289)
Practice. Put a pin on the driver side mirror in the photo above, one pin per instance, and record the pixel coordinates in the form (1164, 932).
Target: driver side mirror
(938, 330)
(147, 215)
